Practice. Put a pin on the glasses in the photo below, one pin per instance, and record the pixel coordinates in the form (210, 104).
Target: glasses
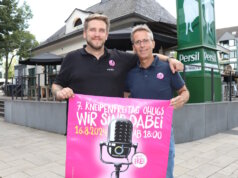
(144, 41)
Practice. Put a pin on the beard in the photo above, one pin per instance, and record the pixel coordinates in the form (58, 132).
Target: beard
(94, 46)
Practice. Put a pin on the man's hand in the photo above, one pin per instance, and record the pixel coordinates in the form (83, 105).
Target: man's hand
(61, 93)
(177, 102)
(175, 65)
(64, 93)
(181, 99)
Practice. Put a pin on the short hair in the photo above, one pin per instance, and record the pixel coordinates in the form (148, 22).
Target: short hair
(141, 27)
(95, 16)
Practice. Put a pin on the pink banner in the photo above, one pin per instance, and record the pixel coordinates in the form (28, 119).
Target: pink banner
(117, 137)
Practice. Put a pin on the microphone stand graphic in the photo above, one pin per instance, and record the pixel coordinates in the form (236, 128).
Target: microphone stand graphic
(119, 143)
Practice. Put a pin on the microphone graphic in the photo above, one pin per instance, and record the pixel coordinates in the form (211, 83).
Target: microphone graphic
(119, 138)
(119, 143)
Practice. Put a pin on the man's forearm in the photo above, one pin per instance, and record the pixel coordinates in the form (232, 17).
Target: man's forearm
(184, 93)
(55, 89)
(61, 93)
(163, 57)
(185, 96)
(175, 65)
(181, 99)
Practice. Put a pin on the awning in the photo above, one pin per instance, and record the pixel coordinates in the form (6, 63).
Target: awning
(43, 59)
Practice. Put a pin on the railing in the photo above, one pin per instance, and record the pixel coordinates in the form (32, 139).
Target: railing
(38, 87)
(230, 88)
(229, 85)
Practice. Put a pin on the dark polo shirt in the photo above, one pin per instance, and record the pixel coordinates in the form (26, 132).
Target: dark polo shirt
(155, 82)
(84, 74)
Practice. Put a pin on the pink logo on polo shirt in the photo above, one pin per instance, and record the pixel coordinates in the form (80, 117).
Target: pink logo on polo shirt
(112, 63)
(160, 75)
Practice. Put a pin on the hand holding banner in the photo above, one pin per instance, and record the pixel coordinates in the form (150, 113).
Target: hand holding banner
(136, 146)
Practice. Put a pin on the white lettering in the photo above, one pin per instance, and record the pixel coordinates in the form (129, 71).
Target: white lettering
(149, 121)
(189, 58)
(87, 118)
(210, 57)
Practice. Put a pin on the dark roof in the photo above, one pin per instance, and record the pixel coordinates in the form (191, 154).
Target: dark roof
(150, 9)
(56, 35)
(220, 32)
(226, 36)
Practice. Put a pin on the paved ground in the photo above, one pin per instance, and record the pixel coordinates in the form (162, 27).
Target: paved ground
(26, 152)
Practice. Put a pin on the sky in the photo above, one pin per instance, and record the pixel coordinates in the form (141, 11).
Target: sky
(50, 15)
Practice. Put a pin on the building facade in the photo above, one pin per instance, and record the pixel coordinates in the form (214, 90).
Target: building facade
(123, 16)
(228, 38)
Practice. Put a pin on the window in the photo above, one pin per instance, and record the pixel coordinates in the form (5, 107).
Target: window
(231, 42)
(50, 74)
(233, 54)
(78, 22)
(225, 56)
(225, 43)
(235, 66)
(32, 77)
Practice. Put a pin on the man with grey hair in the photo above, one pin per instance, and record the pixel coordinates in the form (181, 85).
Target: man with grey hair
(152, 78)
(94, 69)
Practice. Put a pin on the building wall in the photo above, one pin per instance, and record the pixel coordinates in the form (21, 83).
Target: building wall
(63, 47)
(48, 116)
(196, 121)
(232, 46)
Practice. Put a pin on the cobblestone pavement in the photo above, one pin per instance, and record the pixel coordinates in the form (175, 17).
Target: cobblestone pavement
(27, 152)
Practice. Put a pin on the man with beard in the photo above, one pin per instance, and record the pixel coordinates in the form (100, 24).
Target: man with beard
(94, 69)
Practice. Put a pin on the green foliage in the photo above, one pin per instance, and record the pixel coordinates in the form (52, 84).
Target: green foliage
(14, 39)
(11, 68)
(26, 42)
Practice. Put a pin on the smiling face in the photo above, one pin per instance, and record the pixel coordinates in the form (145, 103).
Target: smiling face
(96, 34)
(143, 45)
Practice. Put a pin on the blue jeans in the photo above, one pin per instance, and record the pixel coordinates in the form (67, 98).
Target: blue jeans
(170, 167)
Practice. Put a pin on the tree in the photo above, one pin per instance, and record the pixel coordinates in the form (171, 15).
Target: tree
(11, 67)
(14, 39)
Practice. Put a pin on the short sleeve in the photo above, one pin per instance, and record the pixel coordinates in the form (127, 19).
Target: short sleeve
(177, 81)
(62, 78)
